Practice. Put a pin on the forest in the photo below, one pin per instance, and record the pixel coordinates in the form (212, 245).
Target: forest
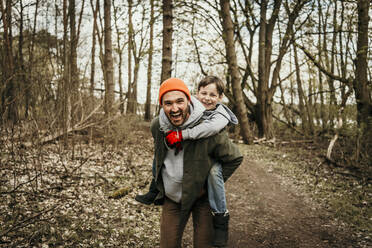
(79, 87)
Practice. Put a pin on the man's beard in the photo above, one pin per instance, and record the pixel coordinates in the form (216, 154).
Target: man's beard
(179, 117)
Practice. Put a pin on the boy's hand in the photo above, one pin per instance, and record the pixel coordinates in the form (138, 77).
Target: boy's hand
(174, 139)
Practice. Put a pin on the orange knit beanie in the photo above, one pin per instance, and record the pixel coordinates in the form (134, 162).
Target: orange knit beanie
(173, 84)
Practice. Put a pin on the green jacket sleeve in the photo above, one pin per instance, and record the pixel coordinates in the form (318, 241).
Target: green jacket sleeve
(154, 127)
(227, 154)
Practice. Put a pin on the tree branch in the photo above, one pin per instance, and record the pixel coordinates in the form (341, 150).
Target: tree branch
(347, 81)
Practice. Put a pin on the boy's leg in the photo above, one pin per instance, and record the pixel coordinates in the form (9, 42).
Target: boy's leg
(217, 200)
(150, 196)
(216, 189)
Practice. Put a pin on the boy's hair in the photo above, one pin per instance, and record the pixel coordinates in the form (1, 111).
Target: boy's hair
(212, 80)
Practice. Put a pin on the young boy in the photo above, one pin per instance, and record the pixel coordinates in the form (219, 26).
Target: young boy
(216, 117)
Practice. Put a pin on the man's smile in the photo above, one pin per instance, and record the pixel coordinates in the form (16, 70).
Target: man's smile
(177, 116)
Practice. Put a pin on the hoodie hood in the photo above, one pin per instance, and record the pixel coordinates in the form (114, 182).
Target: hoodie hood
(223, 110)
(196, 112)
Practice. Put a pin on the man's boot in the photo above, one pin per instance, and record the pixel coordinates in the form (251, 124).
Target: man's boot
(221, 229)
(150, 196)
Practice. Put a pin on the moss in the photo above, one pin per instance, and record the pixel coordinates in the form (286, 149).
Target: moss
(120, 193)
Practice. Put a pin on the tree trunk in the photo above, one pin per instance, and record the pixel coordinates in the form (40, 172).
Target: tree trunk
(362, 93)
(101, 46)
(301, 105)
(93, 51)
(343, 61)
(120, 53)
(310, 107)
(228, 36)
(329, 64)
(130, 93)
(331, 83)
(134, 84)
(149, 68)
(166, 65)
(22, 68)
(74, 80)
(66, 100)
(28, 80)
(9, 99)
(108, 63)
(323, 115)
(263, 107)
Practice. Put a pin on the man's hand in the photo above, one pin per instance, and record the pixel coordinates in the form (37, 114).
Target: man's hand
(174, 139)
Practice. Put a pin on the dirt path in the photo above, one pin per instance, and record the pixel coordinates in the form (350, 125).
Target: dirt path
(268, 211)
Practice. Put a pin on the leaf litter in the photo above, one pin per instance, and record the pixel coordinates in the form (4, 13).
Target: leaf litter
(56, 197)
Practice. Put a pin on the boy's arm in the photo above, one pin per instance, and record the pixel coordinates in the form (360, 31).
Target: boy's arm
(206, 128)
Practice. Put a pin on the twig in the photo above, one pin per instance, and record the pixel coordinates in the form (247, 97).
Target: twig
(79, 126)
(296, 141)
(288, 125)
(22, 223)
(21, 184)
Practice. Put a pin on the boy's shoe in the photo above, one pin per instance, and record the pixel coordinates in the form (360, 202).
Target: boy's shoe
(150, 196)
(221, 229)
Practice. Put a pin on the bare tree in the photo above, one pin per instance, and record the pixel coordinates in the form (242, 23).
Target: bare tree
(8, 98)
(360, 83)
(93, 51)
(74, 77)
(21, 62)
(166, 65)
(323, 116)
(119, 50)
(231, 58)
(265, 91)
(328, 57)
(138, 43)
(130, 91)
(108, 62)
(149, 67)
(27, 89)
(66, 99)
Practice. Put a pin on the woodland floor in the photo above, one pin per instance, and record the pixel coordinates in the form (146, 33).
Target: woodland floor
(270, 209)
(279, 197)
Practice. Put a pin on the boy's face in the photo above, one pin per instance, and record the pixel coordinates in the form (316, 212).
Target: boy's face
(209, 96)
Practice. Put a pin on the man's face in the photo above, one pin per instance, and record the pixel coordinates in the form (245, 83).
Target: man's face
(176, 107)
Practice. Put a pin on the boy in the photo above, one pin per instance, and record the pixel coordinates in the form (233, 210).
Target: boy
(216, 117)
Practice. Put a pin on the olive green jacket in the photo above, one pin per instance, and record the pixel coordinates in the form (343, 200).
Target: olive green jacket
(199, 156)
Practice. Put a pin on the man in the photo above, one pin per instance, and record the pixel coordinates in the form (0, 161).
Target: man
(182, 170)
